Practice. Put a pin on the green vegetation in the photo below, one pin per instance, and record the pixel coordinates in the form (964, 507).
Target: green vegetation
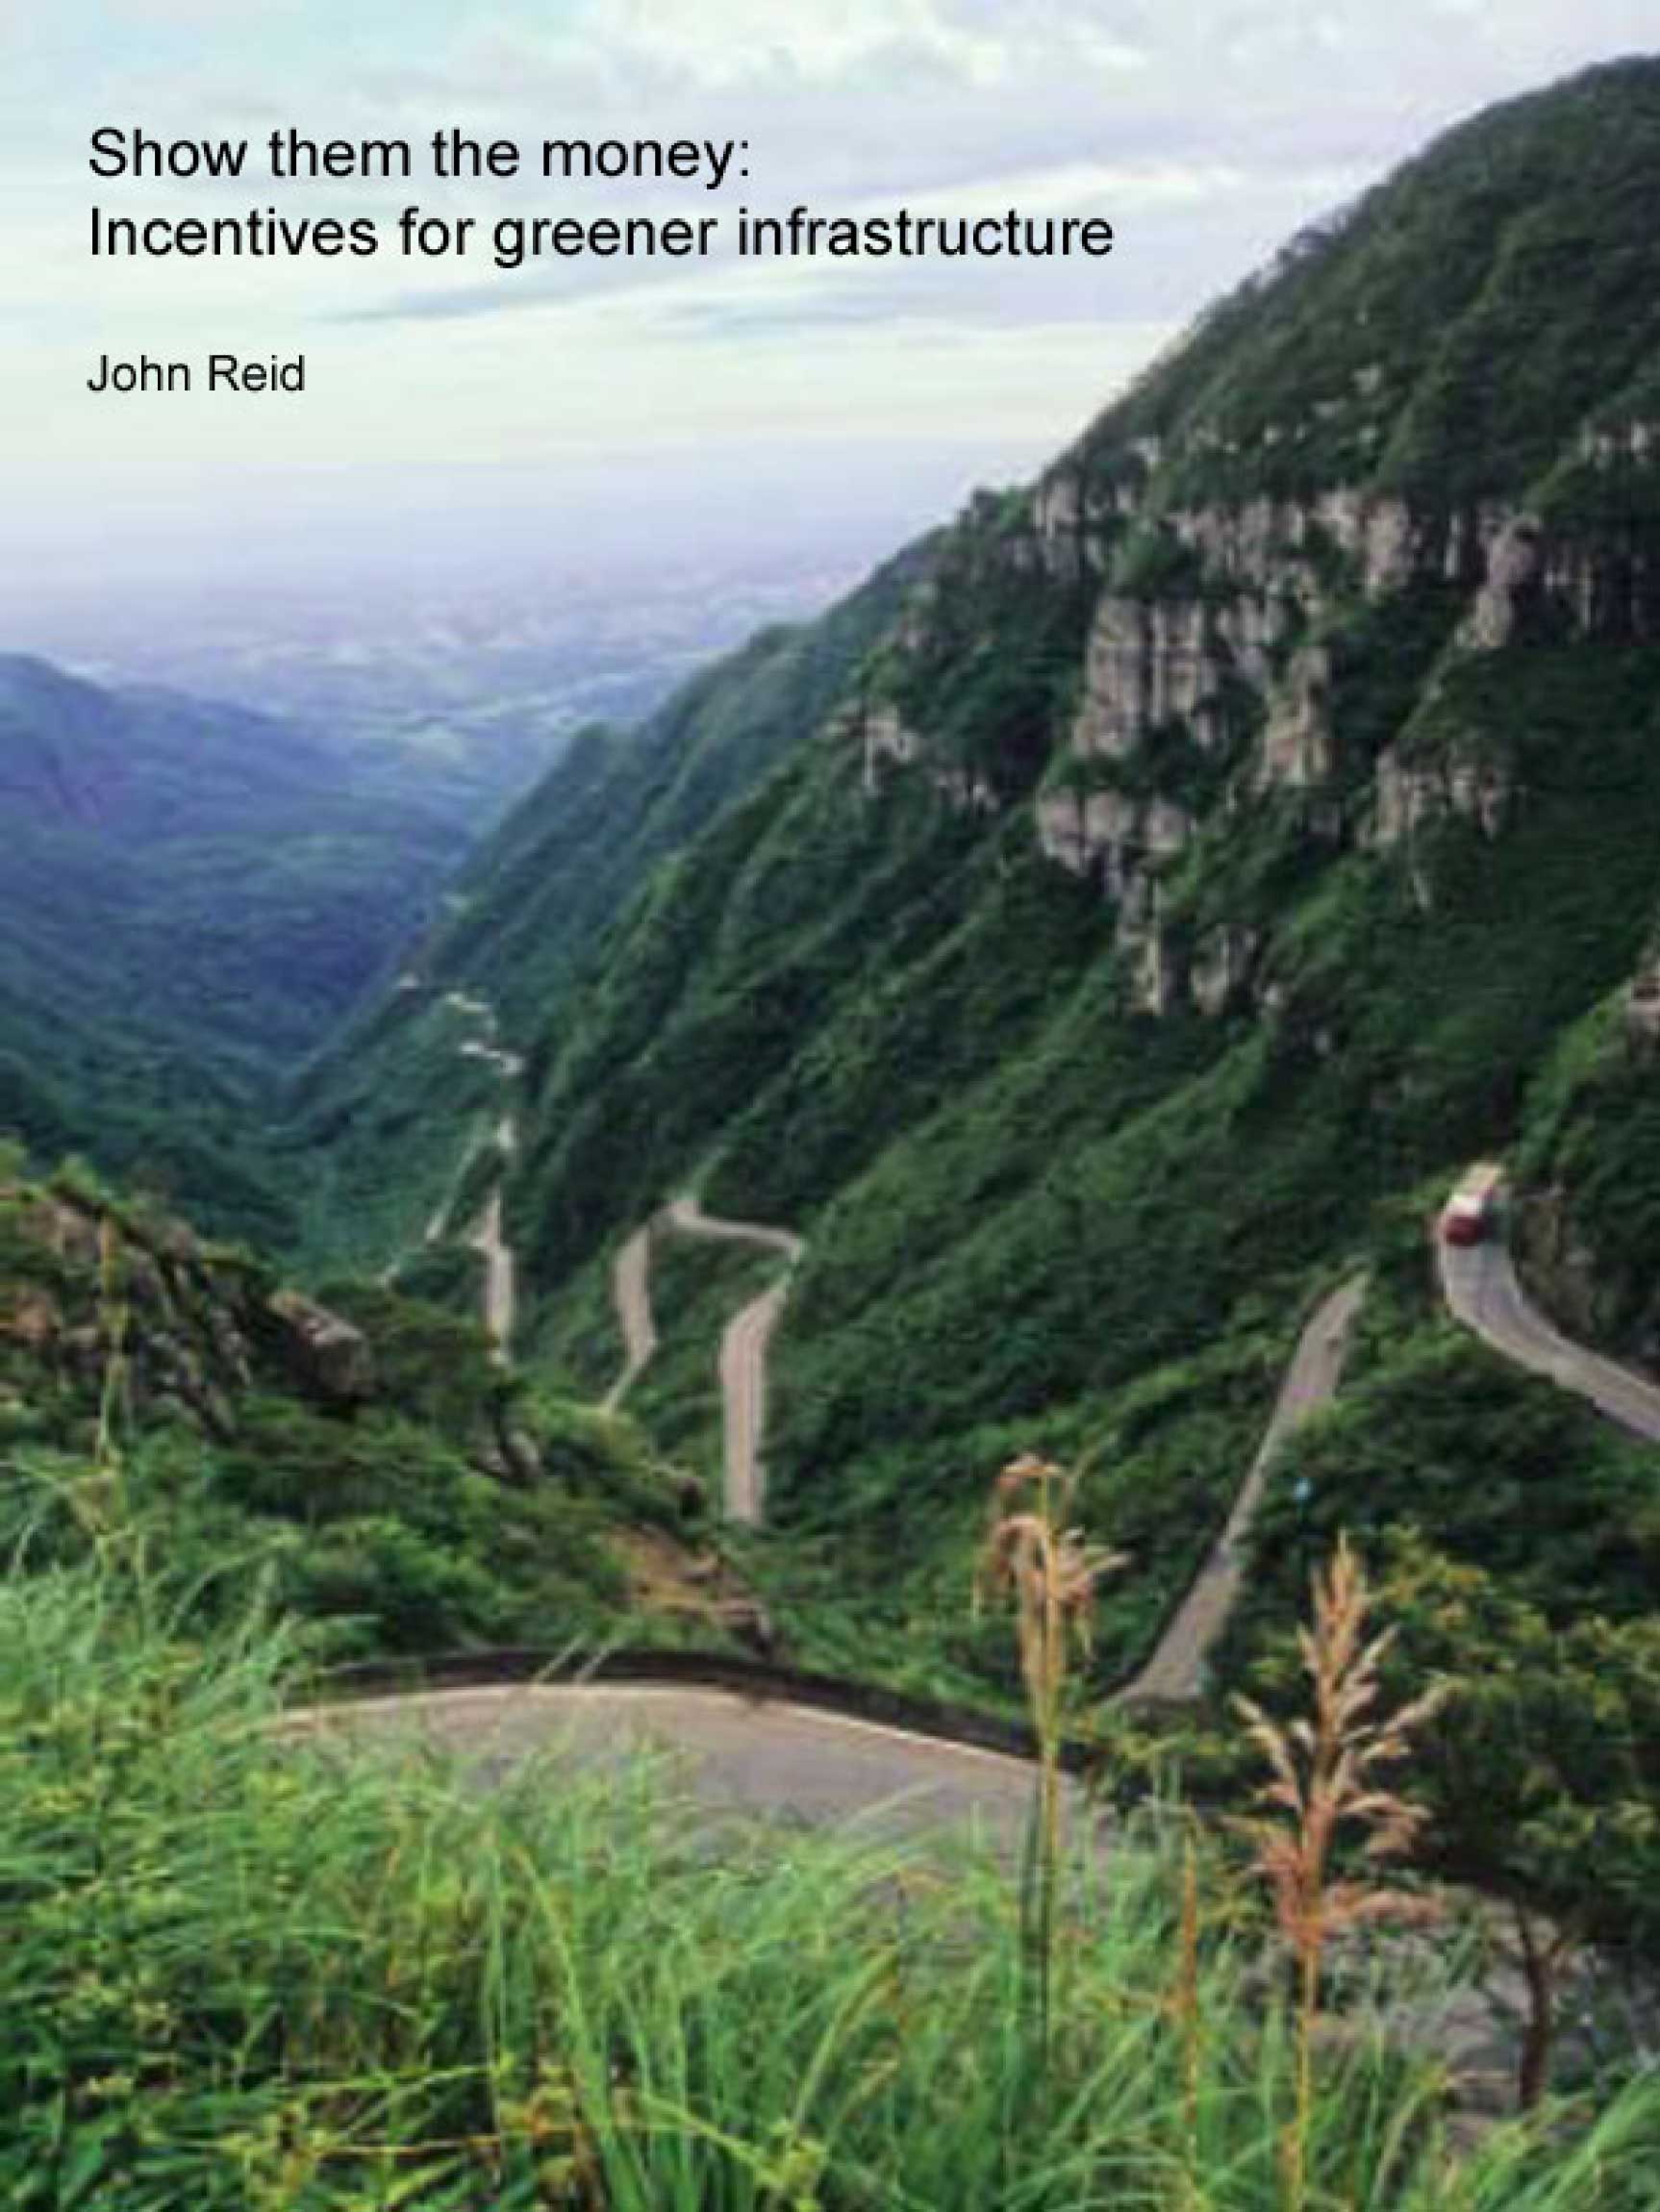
(1518, 1541)
(191, 898)
(379, 1476)
(1495, 1468)
(1359, 872)
(1022, 1200)
(1439, 335)
(999, 658)
(1590, 1154)
(1074, 1147)
(399, 1145)
(1061, 1193)
(354, 1979)
(375, 1116)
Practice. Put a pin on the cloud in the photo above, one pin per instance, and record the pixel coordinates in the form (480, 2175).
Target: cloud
(1154, 208)
(1207, 133)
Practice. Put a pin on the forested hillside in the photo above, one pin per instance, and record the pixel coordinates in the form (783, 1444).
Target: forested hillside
(377, 1118)
(191, 898)
(1167, 866)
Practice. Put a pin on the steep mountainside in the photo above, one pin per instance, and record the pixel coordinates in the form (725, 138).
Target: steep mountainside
(376, 1119)
(187, 893)
(1180, 858)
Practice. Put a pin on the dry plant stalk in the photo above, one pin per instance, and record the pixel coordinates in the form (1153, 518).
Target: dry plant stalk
(1325, 1785)
(1032, 1555)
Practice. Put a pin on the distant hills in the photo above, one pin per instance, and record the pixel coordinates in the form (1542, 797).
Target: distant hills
(190, 898)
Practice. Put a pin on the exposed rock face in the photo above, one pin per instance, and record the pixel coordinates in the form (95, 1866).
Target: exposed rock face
(1388, 545)
(885, 738)
(886, 741)
(104, 1290)
(1414, 795)
(1155, 980)
(1262, 580)
(1216, 646)
(1515, 560)
(1269, 572)
(1058, 523)
(330, 1359)
(1297, 744)
(1148, 661)
(1079, 508)
(1641, 1007)
(1267, 546)
(1111, 834)
(1221, 968)
(183, 1322)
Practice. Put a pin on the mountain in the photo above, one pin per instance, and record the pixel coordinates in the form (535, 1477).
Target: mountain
(375, 1118)
(190, 898)
(1171, 876)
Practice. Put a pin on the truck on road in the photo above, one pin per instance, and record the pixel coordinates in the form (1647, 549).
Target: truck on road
(1472, 1214)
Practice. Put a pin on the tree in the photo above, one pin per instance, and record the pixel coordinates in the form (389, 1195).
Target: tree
(1543, 1771)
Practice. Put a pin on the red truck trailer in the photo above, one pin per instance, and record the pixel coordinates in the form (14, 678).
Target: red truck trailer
(1472, 1213)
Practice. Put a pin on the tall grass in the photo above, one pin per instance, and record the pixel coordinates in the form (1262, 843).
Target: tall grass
(241, 1969)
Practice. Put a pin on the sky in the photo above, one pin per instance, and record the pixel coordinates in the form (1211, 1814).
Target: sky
(455, 413)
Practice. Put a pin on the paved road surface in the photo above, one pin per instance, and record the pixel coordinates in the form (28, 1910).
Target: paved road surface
(500, 1288)
(507, 1065)
(743, 1350)
(488, 1235)
(1176, 1671)
(734, 1754)
(631, 1296)
(688, 1215)
(744, 1387)
(1479, 1284)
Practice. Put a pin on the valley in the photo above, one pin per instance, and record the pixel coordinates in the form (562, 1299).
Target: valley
(1088, 936)
(900, 1204)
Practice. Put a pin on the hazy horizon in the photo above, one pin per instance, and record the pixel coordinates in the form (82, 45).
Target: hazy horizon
(460, 424)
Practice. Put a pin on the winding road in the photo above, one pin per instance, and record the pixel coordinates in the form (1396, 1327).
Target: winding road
(743, 1350)
(500, 1285)
(631, 1296)
(488, 1235)
(752, 1755)
(1479, 1284)
(1176, 1671)
(744, 1345)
